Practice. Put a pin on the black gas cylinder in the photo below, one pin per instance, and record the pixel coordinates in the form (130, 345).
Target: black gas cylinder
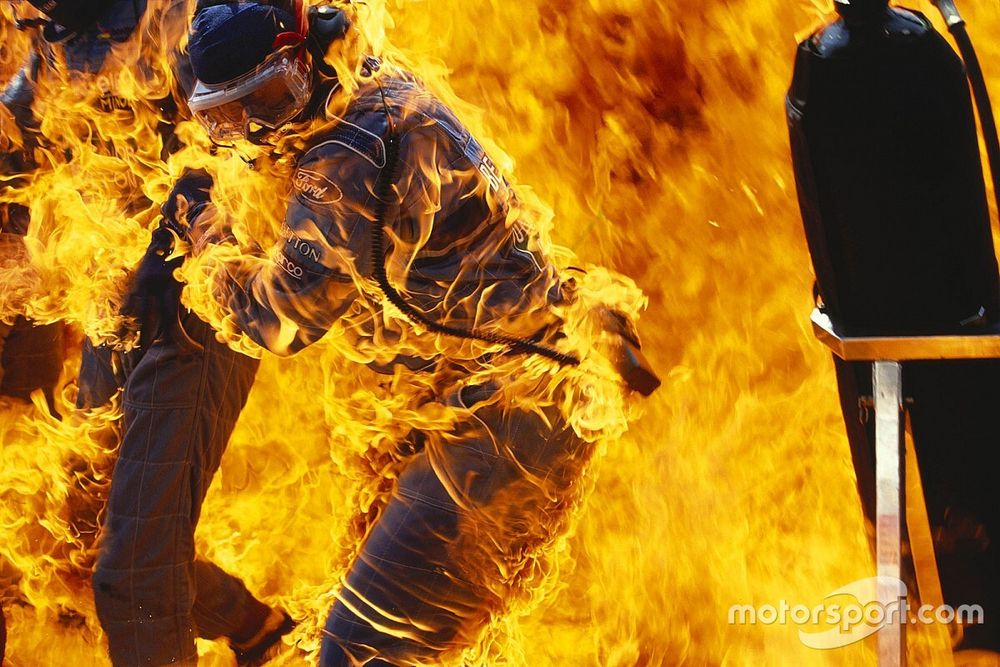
(889, 175)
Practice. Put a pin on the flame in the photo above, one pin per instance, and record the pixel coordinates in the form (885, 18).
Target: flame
(647, 137)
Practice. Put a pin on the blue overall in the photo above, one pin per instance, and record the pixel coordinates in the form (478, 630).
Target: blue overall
(475, 501)
(180, 406)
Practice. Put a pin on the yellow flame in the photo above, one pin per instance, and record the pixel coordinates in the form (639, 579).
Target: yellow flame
(647, 137)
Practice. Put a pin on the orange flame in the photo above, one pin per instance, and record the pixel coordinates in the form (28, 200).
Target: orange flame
(652, 137)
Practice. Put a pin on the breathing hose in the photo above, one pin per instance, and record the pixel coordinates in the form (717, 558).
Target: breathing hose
(383, 187)
(974, 71)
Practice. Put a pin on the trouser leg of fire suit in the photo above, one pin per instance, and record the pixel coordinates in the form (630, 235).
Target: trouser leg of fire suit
(153, 597)
(31, 357)
(31, 354)
(102, 373)
(466, 509)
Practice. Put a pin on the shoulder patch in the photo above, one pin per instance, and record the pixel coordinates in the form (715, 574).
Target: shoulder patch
(365, 143)
(315, 187)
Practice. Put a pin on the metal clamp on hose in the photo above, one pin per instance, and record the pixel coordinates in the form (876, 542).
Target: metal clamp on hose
(950, 12)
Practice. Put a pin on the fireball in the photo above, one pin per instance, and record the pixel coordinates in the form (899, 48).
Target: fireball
(645, 137)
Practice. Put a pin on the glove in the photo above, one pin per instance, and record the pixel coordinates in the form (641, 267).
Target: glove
(626, 353)
(154, 295)
(189, 196)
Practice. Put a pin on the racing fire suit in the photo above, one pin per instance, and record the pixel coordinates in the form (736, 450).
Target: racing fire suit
(477, 502)
(92, 65)
(152, 594)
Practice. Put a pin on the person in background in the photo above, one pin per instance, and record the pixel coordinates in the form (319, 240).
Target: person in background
(180, 404)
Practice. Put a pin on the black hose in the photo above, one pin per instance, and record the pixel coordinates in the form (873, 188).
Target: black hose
(28, 24)
(974, 71)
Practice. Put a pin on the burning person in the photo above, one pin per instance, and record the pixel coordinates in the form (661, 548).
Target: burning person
(180, 403)
(43, 126)
(401, 233)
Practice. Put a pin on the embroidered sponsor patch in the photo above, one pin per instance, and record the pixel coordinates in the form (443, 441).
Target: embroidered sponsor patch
(109, 100)
(316, 188)
(474, 151)
(290, 267)
(295, 245)
(365, 143)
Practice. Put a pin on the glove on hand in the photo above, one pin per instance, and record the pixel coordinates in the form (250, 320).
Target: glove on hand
(189, 196)
(154, 296)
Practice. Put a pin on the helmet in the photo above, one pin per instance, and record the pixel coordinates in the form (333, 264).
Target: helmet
(251, 63)
(73, 15)
(860, 9)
